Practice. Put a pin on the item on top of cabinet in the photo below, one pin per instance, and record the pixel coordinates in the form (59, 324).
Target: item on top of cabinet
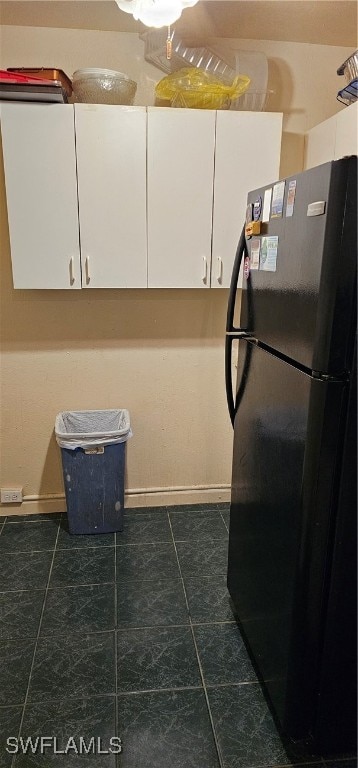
(216, 58)
(47, 73)
(103, 86)
(349, 68)
(220, 63)
(195, 88)
(255, 66)
(17, 87)
(250, 101)
(349, 94)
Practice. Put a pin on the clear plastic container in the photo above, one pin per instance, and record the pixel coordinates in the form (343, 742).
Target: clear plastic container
(254, 64)
(183, 55)
(254, 101)
(217, 58)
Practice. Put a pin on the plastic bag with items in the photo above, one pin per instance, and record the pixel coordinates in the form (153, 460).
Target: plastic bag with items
(196, 88)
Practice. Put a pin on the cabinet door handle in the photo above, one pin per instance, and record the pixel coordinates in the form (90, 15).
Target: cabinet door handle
(219, 275)
(205, 269)
(72, 277)
(88, 276)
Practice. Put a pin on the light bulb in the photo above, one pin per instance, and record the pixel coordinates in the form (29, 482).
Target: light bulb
(158, 13)
(129, 6)
(155, 13)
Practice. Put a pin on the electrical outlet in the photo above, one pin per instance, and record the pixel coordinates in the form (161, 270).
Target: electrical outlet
(11, 495)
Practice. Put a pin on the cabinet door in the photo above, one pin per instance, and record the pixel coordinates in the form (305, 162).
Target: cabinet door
(247, 156)
(346, 132)
(41, 190)
(111, 167)
(320, 143)
(180, 191)
(332, 139)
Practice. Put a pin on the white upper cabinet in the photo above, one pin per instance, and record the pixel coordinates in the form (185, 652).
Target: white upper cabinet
(181, 145)
(41, 191)
(104, 196)
(320, 143)
(111, 168)
(247, 156)
(347, 132)
(333, 139)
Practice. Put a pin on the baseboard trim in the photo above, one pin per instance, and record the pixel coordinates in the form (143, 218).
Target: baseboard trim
(171, 497)
(146, 497)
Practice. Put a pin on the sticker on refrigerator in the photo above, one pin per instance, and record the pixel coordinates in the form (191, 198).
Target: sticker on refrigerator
(247, 267)
(255, 253)
(268, 258)
(257, 208)
(291, 194)
(267, 205)
(277, 200)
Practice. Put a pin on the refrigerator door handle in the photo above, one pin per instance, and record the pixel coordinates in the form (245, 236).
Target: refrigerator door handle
(232, 332)
(228, 378)
(240, 252)
(233, 404)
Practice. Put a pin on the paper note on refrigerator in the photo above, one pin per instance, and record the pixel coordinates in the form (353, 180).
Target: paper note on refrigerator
(268, 258)
(267, 205)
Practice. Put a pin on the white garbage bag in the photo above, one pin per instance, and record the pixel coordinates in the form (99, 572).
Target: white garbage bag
(84, 429)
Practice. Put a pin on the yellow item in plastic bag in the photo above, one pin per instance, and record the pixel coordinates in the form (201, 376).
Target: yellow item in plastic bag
(194, 87)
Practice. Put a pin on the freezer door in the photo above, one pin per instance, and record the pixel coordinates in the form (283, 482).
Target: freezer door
(302, 276)
(284, 463)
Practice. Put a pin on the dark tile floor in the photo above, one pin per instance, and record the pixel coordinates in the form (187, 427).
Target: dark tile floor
(130, 635)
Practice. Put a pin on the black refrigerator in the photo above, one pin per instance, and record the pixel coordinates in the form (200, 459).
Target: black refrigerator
(292, 544)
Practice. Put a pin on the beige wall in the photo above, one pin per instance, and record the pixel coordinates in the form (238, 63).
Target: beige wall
(157, 353)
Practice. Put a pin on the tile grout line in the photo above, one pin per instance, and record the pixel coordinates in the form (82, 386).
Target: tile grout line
(139, 627)
(201, 539)
(218, 750)
(20, 521)
(317, 763)
(126, 629)
(59, 586)
(161, 690)
(224, 521)
(59, 549)
(76, 697)
(147, 580)
(145, 543)
(36, 641)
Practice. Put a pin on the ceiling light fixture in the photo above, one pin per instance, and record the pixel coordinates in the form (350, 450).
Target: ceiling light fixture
(155, 13)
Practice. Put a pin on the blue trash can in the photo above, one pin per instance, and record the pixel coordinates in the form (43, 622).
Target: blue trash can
(93, 448)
